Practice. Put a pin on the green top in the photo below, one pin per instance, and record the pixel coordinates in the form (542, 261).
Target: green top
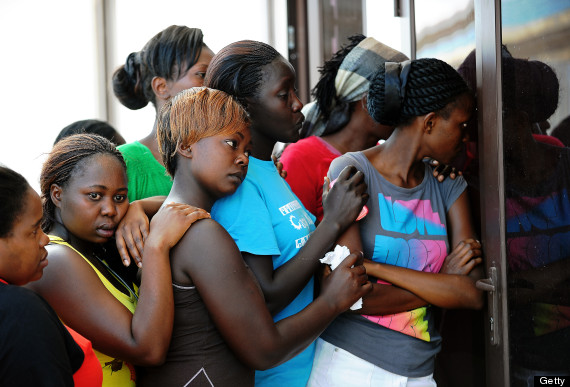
(147, 177)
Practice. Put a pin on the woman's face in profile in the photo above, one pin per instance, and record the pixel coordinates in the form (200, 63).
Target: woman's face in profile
(276, 111)
(452, 132)
(194, 77)
(23, 251)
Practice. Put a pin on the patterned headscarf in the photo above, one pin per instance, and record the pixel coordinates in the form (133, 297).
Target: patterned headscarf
(352, 80)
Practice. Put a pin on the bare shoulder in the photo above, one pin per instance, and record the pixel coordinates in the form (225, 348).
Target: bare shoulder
(206, 243)
(207, 232)
(65, 268)
(206, 235)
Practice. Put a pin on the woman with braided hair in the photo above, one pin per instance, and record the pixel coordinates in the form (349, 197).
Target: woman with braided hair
(84, 192)
(413, 223)
(337, 121)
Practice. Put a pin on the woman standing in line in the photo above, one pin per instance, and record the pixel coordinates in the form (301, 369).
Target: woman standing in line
(266, 220)
(413, 222)
(337, 121)
(173, 60)
(222, 328)
(84, 191)
(36, 349)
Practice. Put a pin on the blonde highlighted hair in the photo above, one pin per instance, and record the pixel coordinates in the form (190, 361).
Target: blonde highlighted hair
(194, 114)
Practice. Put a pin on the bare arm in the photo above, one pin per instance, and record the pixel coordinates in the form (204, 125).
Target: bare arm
(81, 300)
(210, 258)
(383, 299)
(400, 296)
(440, 289)
(342, 204)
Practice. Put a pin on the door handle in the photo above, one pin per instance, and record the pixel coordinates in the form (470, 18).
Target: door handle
(490, 285)
(485, 285)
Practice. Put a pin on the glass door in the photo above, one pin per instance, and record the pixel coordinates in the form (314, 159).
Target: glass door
(535, 78)
(518, 169)
(521, 71)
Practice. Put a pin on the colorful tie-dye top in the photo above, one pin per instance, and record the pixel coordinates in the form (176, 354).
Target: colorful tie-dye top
(406, 227)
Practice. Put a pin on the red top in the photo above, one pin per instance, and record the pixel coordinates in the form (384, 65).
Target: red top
(548, 139)
(307, 162)
(90, 373)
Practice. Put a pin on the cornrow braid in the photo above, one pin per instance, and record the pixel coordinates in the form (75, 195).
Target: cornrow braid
(430, 86)
(324, 91)
(63, 162)
(236, 69)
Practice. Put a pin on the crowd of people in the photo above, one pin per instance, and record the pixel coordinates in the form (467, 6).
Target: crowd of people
(187, 258)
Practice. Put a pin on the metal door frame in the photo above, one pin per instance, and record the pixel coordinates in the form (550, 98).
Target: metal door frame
(492, 186)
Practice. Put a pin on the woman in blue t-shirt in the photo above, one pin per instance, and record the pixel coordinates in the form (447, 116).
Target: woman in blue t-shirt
(412, 224)
(222, 329)
(267, 221)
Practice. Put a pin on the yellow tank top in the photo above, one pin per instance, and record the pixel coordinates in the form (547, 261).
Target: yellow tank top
(116, 373)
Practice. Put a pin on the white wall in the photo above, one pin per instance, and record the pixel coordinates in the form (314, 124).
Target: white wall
(48, 77)
(221, 21)
(381, 24)
(49, 61)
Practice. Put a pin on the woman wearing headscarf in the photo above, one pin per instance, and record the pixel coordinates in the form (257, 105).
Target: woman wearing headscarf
(337, 121)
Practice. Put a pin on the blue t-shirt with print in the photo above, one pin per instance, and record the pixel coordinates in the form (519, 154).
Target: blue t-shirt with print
(264, 217)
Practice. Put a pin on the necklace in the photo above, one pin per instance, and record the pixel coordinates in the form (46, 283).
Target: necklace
(117, 277)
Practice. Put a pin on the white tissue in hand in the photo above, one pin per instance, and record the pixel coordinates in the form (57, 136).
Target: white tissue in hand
(334, 258)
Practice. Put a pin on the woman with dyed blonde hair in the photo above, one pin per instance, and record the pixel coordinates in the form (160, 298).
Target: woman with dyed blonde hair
(222, 327)
(195, 114)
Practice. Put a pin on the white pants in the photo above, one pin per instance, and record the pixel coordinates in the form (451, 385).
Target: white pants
(334, 366)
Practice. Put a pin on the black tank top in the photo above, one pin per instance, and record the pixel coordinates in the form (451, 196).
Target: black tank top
(198, 354)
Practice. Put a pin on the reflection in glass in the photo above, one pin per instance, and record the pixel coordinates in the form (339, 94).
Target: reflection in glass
(537, 182)
(449, 33)
(341, 19)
